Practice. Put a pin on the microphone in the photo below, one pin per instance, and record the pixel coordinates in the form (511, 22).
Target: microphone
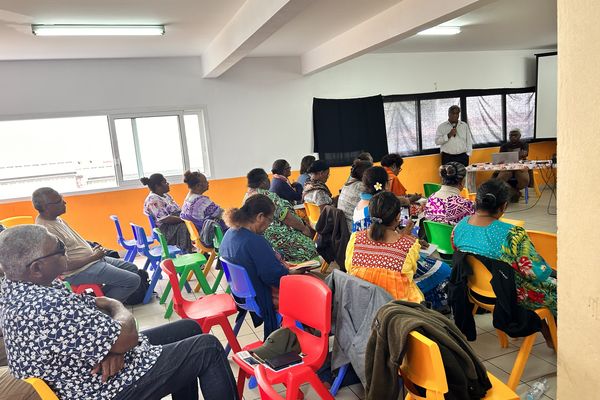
(454, 125)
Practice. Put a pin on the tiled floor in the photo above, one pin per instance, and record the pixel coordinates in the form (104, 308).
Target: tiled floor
(541, 363)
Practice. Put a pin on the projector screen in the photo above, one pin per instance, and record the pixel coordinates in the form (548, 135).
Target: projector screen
(545, 107)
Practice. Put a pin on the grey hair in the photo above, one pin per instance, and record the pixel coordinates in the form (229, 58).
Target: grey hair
(515, 130)
(38, 198)
(19, 246)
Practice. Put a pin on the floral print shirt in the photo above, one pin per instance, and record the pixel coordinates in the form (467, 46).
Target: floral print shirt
(160, 207)
(447, 206)
(58, 336)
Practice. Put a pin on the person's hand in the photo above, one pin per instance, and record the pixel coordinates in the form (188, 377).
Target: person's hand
(110, 366)
(414, 197)
(423, 243)
(452, 133)
(99, 252)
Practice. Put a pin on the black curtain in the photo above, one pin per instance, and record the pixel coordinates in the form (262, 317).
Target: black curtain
(343, 128)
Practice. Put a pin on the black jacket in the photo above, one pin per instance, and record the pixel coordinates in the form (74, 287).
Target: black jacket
(333, 236)
(508, 316)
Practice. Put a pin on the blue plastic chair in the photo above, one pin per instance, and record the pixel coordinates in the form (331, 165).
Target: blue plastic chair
(153, 225)
(153, 257)
(128, 244)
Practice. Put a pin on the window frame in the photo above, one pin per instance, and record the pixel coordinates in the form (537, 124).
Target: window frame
(111, 115)
(462, 96)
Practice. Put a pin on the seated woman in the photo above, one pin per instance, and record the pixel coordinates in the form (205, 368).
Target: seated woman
(350, 193)
(374, 180)
(281, 185)
(245, 245)
(315, 189)
(485, 235)
(287, 234)
(393, 165)
(447, 205)
(387, 257)
(161, 206)
(304, 166)
(197, 207)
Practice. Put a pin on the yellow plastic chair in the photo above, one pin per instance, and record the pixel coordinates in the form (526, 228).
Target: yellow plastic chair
(536, 182)
(545, 244)
(480, 284)
(464, 193)
(313, 212)
(14, 221)
(516, 222)
(472, 197)
(423, 367)
(200, 248)
(42, 389)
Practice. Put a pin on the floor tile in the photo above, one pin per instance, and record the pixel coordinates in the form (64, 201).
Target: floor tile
(483, 322)
(544, 352)
(487, 346)
(551, 392)
(535, 368)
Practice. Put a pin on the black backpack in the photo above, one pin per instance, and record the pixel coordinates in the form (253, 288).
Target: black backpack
(138, 295)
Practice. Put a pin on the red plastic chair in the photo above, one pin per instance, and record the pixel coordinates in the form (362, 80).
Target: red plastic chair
(207, 311)
(295, 376)
(307, 300)
(96, 289)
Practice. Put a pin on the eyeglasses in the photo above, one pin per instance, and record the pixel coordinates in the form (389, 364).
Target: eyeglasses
(60, 249)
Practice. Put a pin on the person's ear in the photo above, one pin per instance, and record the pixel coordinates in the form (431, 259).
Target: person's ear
(35, 270)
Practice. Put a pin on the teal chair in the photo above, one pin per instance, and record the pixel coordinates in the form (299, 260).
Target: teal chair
(430, 188)
(185, 265)
(439, 234)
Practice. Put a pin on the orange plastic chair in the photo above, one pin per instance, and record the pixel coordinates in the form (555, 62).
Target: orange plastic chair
(200, 248)
(545, 244)
(294, 377)
(207, 311)
(41, 388)
(14, 221)
(464, 193)
(480, 284)
(313, 212)
(515, 222)
(307, 300)
(423, 367)
(472, 197)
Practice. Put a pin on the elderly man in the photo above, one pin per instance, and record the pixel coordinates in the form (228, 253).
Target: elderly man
(89, 348)
(454, 138)
(519, 179)
(84, 263)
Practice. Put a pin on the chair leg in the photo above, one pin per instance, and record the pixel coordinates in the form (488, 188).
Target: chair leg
(241, 381)
(217, 281)
(155, 278)
(202, 282)
(130, 255)
(324, 266)
(239, 321)
(182, 282)
(338, 379)
(520, 362)
(231, 337)
(165, 294)
(502, 338)
(552, 327)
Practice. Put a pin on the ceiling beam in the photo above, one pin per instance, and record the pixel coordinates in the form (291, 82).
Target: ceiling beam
(253, 23)
(398, 22)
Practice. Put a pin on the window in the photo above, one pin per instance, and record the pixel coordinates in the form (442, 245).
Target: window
(82, 153)
(401, 126)
(433, 113)
(484, 116)
(520, 113)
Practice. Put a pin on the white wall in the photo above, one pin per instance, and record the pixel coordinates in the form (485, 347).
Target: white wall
(261, 108)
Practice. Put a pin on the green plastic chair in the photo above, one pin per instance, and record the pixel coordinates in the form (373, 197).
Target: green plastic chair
(185, 265)
(217, 239)
(430, 188)
(439, 234)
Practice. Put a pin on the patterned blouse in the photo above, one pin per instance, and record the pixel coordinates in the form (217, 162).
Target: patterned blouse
(58, 336)
(511, 244)
(349, 198)
(197, 208)
(388, 265)
(447, 206)
(160, 207)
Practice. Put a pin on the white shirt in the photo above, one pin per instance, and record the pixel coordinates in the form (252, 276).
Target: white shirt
(461, 143)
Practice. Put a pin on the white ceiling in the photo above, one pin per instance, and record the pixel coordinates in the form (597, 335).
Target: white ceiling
(224, 31)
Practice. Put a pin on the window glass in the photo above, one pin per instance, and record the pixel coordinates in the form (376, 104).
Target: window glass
(160, 145)
(520, 113)
(194, 126)
(127, 155)
(484, 116)
(401, 126)
(67, 154)
(433, 113)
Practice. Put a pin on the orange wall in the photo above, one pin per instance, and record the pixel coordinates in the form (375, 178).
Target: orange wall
(88, 213)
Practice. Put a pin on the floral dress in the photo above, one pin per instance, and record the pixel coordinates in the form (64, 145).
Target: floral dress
(511, 244)
(447, 206)
(293, 245)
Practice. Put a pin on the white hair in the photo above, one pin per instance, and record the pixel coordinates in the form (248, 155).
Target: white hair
(19, 246)
(38, 198)
(515, 130)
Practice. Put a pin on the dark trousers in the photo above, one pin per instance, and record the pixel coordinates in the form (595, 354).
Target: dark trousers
(462, 158)
(187, 357)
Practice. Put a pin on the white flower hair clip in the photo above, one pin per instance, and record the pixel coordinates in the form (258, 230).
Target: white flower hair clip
(378, 186)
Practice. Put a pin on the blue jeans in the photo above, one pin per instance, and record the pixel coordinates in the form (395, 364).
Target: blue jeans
(118, 277)
(187, 357)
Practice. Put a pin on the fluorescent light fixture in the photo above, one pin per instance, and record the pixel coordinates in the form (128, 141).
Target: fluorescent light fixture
(441, 30)
(98, 30)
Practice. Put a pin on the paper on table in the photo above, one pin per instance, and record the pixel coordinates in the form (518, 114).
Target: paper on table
(428, 251)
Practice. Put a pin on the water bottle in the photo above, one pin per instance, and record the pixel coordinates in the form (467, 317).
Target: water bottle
(537, 390)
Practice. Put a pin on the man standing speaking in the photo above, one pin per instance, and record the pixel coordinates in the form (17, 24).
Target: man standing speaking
(454, 138)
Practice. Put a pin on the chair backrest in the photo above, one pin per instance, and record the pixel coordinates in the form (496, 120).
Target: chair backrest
(545, 245)
(41, 388)
(313, 212)
(195, 237)
(14, 221)
(240, 285)
(472, 197)
(153, 225)
(423, 367)
(515, 222)
(439, 234)
(464, 193)
(218, 238)
(163, 242)
(140, 239)
(306, 299)
(480, 280)
(168, 268)
(267, 392)
(120, 237)
(430, 188)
